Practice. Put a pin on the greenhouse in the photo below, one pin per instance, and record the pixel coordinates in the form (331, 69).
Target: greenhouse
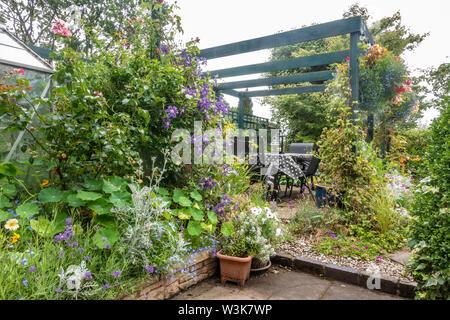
(16, 56)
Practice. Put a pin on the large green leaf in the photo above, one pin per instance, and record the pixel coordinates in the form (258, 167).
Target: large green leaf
(212, 216)
(185, 202)
(50, 195)
(9, 190)
(183, 214)
(4, 202)
(163, 192)
(93, 185)
(114, 184)
(196, 195)
(8, 169)
(59, 222)
(106, 221)
(100, 206)
(74, 201)
(177, 194)
(42, 226)
(88, 196)
(194, 228)
(227, 229)
(120, 199)
(109, 187)
(4, 215)
(27, 210)
(196, 214)
(106, 236)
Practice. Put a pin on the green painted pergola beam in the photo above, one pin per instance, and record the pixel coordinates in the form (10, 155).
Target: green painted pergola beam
(319, 31)
(308, 61)
(230, 92)
(292, 79)
(279, 92)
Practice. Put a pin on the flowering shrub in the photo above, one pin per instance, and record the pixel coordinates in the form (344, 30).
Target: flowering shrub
(253, 233)
(349, 165)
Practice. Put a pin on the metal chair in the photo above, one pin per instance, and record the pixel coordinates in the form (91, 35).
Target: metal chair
(310, 171)
(302, 148)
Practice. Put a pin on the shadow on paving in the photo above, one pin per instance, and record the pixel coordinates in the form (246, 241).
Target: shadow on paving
(281, 284)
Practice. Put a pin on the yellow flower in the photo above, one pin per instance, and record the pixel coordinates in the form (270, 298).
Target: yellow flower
(140, 181)
(12, 224)
(15, 237)
(44, 183)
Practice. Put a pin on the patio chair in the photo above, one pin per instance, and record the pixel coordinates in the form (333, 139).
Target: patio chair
(302, 148)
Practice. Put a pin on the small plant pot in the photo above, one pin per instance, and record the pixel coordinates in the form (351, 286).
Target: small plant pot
(234, 269)
(324, 197)
(260, 270)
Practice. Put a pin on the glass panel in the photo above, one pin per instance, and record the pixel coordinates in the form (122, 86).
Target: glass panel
(34, 173)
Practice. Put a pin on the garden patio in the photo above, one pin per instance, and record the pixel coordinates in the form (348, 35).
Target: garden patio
(125, 174)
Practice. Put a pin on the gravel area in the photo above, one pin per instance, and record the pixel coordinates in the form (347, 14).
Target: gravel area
(303, 247)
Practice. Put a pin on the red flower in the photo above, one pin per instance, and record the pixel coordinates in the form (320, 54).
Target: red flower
(408, 83)
(400, 90)
(347, 59)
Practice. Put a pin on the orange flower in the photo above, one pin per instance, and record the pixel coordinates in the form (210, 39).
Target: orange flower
(44, 183)
(15, 238)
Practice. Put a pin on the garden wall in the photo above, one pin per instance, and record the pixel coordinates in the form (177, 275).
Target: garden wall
(205, 266)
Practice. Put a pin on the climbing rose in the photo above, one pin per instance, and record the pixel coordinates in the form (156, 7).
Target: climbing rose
(60, 28)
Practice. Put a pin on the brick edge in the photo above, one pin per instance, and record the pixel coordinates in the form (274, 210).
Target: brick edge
(345, 274)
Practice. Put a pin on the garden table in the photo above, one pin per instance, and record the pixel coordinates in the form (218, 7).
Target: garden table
(290, 164)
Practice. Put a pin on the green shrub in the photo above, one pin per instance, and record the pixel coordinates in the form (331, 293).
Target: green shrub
(430, 233)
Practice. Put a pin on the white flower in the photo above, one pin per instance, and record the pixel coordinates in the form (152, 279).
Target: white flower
(278, 232)
(267, 209)
(74, 275)
(256, 211)
(12, 224)
(270, 215)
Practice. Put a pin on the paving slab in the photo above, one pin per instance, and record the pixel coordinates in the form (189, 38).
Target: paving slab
(282, 284)
(401, 256)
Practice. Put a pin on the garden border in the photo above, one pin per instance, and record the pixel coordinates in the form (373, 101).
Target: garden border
(353, 276)
(205, 266)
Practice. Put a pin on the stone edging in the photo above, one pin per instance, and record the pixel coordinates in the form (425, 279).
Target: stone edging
(345, 274)
(205, 266)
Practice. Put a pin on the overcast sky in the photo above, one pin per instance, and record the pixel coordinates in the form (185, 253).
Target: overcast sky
(220, 22)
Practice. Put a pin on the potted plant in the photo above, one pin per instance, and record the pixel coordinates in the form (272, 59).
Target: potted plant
(248, 236)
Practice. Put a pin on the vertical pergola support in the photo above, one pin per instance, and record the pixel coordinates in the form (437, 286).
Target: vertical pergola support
(241, 112)
(354, 72)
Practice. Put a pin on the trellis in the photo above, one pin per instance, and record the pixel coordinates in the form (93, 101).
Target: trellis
(354, 26)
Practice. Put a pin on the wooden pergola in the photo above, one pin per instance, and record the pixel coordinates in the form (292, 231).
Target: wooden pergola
(354, 26)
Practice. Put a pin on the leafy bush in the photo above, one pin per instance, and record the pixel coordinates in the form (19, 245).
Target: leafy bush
(309, 219)
(431, 215)
(252, 233)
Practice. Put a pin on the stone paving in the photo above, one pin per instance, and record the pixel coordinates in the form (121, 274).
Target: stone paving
(281, 283)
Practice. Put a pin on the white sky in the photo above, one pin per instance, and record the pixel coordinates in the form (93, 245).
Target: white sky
(218, 22)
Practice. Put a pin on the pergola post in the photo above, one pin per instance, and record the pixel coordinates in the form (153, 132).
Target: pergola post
(354, 71)
(241, 112)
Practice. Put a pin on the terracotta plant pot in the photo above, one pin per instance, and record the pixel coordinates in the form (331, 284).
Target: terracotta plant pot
(234, 269)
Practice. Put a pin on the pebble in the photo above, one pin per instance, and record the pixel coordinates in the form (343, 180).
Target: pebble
(304, 247)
